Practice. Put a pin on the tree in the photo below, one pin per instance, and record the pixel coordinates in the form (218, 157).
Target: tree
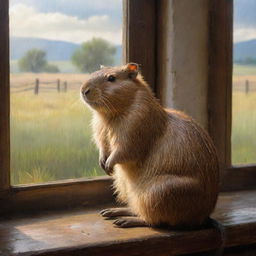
(50, 68)
(246, 61)
(94, 53)
(35, 61)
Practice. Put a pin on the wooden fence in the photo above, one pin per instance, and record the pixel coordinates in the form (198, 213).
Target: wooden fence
(39, 86)
(246, 86)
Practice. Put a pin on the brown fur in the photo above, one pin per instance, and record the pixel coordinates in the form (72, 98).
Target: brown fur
(165, 165)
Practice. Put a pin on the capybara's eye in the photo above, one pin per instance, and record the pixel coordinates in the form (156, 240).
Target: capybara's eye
(111, 78)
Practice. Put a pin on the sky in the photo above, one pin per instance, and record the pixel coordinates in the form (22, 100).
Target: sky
(244, 20)
(67, 20)
(79, 20)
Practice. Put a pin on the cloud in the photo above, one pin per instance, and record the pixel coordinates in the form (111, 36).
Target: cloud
(244, 34)
(244, 20)
(79, 8)
(26, 21)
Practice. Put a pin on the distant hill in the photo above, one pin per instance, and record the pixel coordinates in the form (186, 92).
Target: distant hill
(245, 49)
(56, 50)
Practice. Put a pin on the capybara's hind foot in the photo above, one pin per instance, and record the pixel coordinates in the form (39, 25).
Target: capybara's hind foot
(129, 222)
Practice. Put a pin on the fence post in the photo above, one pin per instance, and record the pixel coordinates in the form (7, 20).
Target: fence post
(247, 86)
(36, 91)
(65, 86)
(58, 85)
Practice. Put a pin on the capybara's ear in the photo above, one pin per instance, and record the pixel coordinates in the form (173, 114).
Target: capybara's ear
(133, 69)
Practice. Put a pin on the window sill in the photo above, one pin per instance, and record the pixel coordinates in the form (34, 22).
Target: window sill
(85, 232)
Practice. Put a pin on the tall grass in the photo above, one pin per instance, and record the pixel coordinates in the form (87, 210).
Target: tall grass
(244, 117)
(51, 138)
(244, 128)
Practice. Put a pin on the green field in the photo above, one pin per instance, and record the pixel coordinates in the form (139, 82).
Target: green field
(244, 128)
(51, 138)
(244, 70)
(244, 117)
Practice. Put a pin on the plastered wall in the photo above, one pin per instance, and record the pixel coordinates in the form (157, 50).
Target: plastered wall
(183, 56)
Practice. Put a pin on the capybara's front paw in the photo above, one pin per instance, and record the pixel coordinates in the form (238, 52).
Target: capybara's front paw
(109, 170)
(102, 161)
(118, 211)
(109, 167)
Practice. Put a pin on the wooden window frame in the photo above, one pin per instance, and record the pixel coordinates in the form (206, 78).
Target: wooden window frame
(140, 18)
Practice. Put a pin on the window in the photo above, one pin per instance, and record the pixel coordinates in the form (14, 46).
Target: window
(141, 25)
(49, 60)
(244, 83)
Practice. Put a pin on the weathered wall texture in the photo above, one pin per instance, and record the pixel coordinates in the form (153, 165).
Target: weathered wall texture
(183, 56)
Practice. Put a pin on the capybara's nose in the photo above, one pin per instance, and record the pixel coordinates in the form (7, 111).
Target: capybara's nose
(86, 92)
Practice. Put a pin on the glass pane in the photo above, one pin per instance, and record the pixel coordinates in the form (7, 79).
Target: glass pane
(244, 83)
(52, 49)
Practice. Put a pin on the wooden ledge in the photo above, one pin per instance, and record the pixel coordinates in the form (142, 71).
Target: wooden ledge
(85, 232)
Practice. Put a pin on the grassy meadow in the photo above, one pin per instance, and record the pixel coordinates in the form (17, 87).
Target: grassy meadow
(244, 116)
(244, 70)
(244, 128)
(51, 134)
